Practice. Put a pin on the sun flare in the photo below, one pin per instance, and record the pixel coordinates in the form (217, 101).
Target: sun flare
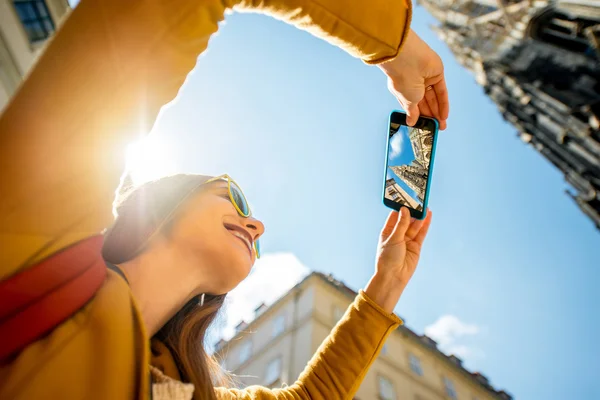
(149, 158)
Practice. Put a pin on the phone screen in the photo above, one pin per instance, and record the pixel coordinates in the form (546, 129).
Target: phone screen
(409, 163)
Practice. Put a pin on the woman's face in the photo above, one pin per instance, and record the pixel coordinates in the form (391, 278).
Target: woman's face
(209, 231)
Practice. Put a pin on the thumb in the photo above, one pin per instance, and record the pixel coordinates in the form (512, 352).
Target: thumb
(402, 224)
(413, 114)
(389, 226)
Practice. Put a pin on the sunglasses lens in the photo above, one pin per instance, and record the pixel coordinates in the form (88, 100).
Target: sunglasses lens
(257, 248)
(239, 199)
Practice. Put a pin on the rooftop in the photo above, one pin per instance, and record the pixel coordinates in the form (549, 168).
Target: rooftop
(428, 343)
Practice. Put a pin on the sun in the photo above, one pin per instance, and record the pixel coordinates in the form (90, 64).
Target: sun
(149, 158)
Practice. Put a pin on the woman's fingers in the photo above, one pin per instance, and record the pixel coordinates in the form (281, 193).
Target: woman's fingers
(410, 73)
(436, 96)
(425, 109)
(441, 93)
(399, 226)
(422, 233)
(402, 225)
(443, 125)
(412, 113)
(406, 98)
(414, 228)
(432, 102)
(389, 225)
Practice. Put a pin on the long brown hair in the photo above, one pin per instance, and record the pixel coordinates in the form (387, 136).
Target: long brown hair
(185, 335)
(142, 212)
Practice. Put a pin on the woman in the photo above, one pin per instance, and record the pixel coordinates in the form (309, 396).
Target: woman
(176, 242)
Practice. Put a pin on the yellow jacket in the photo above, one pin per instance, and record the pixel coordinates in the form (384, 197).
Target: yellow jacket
(100, 83)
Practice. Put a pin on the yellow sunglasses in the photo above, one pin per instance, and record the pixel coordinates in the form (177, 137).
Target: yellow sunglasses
(236, 195)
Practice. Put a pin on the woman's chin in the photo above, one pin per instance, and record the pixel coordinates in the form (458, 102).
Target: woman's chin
(242, 265)
(233, 265)
(245, 256)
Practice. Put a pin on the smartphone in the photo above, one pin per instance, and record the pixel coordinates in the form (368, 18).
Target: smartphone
(409, 163)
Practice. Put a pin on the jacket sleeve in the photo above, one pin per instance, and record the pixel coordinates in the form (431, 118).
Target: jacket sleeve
(100, 85)
(341, 363)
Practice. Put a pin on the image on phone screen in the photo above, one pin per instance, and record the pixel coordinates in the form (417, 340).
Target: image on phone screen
(410, 151)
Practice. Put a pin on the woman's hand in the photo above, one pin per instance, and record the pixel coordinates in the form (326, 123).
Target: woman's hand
(416, 78)
(397, 257)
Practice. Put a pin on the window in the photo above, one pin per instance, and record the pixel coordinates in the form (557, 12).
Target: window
(260, 309)
(338, 313)
(278, 325)
(273, 372)
(35, 18)
(240, 327)
(386, 389)
(384, 349)
(415, 364)
(449, 387)
(245, 351)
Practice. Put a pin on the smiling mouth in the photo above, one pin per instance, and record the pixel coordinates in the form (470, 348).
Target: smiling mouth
(242, 235)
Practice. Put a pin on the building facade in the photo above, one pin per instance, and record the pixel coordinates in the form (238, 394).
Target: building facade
(421, 141)
(274, 348)
(25, 26)
(539, 61)
(394, 192)
(414, 176)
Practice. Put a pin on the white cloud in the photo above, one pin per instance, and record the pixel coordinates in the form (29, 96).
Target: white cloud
(448, 328)
(449, 332)
(460, 351)
(396, 144)
(273, 275)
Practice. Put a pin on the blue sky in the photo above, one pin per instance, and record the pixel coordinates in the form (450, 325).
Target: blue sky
(509, 273)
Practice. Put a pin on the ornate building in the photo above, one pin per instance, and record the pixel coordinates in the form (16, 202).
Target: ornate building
(394, 192)
(414, 176)
(421, 141)
(539, 61)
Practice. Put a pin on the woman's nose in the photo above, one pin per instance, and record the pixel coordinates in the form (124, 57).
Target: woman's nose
(256, 227)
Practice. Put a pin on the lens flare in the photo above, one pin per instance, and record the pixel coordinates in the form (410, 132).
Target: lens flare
(150, 158)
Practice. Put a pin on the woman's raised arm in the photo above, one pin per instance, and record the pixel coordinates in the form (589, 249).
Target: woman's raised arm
(100, 85)
(341, 363)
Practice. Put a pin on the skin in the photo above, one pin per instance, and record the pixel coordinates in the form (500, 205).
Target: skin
(201, 255)
(416, 68)
(398, 253)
